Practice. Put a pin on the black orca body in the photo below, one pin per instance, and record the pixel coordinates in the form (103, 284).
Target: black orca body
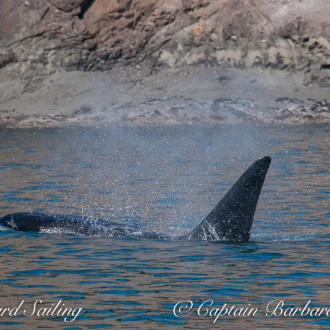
(231, 220)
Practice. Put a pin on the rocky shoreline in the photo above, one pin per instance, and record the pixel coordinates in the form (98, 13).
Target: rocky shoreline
(194, 95)
(145, 62)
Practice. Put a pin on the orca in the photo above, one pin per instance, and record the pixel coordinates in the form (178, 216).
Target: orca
(230, 220)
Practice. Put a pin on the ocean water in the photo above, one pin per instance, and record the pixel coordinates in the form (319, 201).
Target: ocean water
(165, 179)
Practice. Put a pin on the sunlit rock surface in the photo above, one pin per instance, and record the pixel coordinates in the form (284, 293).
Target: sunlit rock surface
(149, 45)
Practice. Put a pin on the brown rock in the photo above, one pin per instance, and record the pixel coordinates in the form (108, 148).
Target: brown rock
(67, 5)
(40, 37)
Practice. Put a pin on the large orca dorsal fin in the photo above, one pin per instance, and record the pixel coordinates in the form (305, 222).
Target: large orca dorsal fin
(232, 218)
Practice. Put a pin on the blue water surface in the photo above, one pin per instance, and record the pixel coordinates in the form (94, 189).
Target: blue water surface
(165, 179)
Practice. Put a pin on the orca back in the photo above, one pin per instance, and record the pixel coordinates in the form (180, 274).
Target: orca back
(231, 220)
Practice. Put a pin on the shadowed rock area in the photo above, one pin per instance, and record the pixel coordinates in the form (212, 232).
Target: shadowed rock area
(86, 62)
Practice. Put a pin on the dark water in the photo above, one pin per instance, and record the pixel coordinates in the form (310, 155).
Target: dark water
(165, 179)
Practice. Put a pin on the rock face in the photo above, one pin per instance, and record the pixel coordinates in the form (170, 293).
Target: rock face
(40, 37)
(172, 62)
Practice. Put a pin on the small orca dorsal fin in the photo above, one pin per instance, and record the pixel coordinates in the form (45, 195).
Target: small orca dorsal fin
(232, 218)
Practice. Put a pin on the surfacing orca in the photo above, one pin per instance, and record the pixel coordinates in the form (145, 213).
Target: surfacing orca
(231, 220)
